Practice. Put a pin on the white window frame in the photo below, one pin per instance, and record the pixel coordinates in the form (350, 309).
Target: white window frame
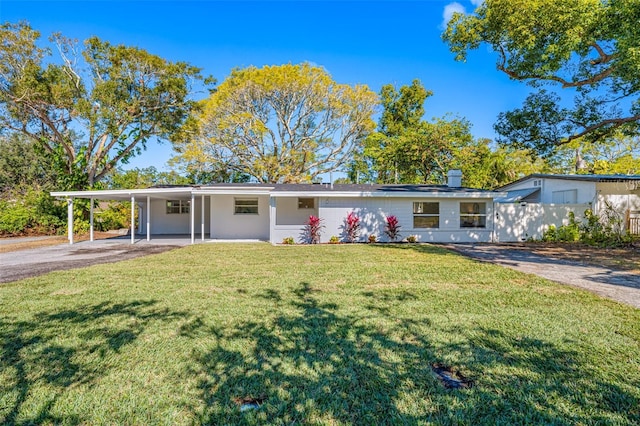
(418, 212)
(254, 203)
(178, 206)
(474, 218)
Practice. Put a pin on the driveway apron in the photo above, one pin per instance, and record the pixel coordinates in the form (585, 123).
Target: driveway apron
(622, 286)
(37, 261)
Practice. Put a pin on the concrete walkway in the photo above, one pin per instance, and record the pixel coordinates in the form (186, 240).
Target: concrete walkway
(622, 286)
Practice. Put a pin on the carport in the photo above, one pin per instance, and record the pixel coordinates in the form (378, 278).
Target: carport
(139, 198)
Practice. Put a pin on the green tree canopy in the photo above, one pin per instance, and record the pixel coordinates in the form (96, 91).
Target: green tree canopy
(89, 107)
(287, 123)
(586, 51)
(406, 148)
(23, 167)
(143, 178)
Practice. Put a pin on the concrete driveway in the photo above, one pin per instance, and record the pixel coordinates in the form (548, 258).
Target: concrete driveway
(622, 286)
(21, 264)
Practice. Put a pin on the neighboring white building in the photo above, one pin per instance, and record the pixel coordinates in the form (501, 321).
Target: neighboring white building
(433, 213)
(537, 201)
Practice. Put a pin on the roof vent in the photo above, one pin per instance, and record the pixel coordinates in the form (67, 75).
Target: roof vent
(454, 178)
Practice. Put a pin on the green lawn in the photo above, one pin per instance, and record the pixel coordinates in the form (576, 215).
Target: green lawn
(330, 334)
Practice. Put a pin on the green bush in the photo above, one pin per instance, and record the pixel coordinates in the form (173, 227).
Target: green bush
(33, 212)
(14, 218)
(116, 216)
(606, 230)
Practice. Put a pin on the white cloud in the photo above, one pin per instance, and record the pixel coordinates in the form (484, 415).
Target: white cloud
(449, 10)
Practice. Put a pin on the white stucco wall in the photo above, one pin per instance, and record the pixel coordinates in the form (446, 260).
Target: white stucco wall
(516, 222)
(163, 223)
(373, 212)
(288, 213)
(225, 224)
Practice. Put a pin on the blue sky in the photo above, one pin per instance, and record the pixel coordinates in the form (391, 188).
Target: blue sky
(358, 42)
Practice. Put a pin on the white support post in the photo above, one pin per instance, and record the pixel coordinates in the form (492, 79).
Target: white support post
(91, 219)
(202, 219)
(192, 210)
(70, 219)
(148, 218)
(133, 219)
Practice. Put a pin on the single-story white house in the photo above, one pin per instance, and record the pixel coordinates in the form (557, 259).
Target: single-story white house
(535, 202)
(518, 211)
(273, 212)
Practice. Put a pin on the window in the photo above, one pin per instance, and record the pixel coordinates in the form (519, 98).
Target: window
(246, 206)
(473, 215)
(426, 215)
(565, 197)
(306, 203)
(178, 206)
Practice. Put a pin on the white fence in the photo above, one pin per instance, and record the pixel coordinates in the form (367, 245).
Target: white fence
(520, 222)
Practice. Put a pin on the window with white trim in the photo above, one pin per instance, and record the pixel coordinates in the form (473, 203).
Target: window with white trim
(178, 206)
(245, 206)
(473, 215)
(426, 214)
(306, 203)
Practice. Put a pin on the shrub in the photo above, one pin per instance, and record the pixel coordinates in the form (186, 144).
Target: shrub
(372, 238)
(14, 218)
(334, 240)
(288, 241)
(352, 227)
(312, 229)
(392, 228)
(115, 216)
(605, 231)
(412, 239)
(33, 212)
(566, 233)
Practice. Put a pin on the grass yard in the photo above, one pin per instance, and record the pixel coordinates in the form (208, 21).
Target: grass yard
(329, 334)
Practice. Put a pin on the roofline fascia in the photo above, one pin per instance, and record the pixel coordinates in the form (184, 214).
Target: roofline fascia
(120, 192)
(269, 191)
(232, 190)
(412, 194)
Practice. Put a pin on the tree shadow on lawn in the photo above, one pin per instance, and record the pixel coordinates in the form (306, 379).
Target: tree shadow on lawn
(322, 365)
(35, 359)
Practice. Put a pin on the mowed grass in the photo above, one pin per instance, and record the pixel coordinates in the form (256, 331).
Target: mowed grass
(326, 334)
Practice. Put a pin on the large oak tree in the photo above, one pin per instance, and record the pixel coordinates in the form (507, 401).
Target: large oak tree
(583, 56)
(89, 107)
(278, 124)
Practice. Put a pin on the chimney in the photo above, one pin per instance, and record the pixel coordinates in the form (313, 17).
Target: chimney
(454, 178)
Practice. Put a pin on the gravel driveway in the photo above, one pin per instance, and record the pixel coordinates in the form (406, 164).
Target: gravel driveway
(622, 286)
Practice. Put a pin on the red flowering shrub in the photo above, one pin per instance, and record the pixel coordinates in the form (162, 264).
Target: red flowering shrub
(392, 228)
(352, 227)
(312, 229)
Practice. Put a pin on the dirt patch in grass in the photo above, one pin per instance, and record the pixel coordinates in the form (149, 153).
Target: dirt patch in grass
(627, 259)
